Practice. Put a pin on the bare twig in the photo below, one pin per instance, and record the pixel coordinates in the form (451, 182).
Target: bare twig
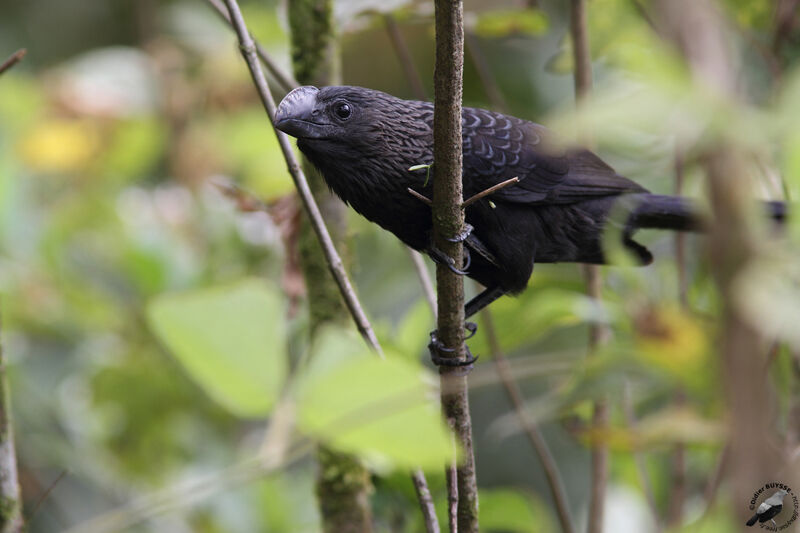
(13, 59)
(404, 56)
(527, 422)
(448, 220)
(424, 199)
(46, 494)
(426, 502)
(284, 79)
(494, 188)
(332, 256)
(424, 278)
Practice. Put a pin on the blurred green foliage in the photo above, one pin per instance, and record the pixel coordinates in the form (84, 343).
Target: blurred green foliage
(142, 352)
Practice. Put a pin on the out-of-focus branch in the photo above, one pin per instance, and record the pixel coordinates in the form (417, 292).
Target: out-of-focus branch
(13, 59)
(448, 221)
(404, 57)
(284, 79)
(332, 256)
(426, 502)
(697, 29)
(528, 424)
(10, 497)
(473, 47)
(598, 333)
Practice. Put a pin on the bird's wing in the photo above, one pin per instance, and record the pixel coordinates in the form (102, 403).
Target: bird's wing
(498, 147)
(763, 508)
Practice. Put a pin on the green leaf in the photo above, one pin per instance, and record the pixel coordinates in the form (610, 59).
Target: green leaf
(230, 340)
(513, 511)
(381, 410)
(502, 23)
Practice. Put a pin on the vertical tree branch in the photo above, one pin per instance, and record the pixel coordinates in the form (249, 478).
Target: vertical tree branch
(343, 483)
(448, 221)
(598, 333)
(697, 30)
(10, 497)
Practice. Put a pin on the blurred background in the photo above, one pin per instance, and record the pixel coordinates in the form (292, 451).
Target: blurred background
(123, 114)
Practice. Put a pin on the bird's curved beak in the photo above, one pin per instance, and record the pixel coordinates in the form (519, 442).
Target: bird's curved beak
(297, 116)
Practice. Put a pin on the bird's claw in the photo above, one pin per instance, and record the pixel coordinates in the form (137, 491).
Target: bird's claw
(441, 355)
(461, 237)
(441, 257)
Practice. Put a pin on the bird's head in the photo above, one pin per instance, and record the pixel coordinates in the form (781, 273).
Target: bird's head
(342, 120)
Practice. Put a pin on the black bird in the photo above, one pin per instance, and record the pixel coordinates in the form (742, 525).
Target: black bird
(769, 509)
(365, 142)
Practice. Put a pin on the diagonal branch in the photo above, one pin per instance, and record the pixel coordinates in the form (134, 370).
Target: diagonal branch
(557, 490)
(334, 260)
(13, 59)
(284, 79)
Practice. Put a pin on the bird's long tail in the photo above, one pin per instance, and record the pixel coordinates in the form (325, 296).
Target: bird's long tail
(681, 214)
(753, 520)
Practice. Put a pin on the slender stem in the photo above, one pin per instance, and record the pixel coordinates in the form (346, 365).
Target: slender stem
(426, 501)
(332, 256)
(424, 278)
(13, 59)
(448, 220)
(404, 56)
(557, 490)
(284, 79)
(421, 197)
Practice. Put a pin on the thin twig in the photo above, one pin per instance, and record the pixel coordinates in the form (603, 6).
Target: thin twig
(284, 79)
(46, 494)
(13, 59)
(527, 422)
(404, 56)
(494, 188)
(426, 501)
(424, 199)
(424, 278)
(334, 261)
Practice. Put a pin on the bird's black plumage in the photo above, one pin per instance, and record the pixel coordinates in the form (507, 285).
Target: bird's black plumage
(364, 143)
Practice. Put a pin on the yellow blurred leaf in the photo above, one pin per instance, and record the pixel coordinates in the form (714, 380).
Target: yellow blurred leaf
(59, 145)
(672, 340)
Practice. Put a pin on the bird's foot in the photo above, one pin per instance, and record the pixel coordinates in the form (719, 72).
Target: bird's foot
(461, 237)
(441, 257)
(441, 355)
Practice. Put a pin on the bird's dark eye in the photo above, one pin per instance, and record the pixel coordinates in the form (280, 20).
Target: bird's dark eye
(343, 110)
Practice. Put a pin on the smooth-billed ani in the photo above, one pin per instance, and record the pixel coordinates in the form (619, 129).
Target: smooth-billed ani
(365, 141)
